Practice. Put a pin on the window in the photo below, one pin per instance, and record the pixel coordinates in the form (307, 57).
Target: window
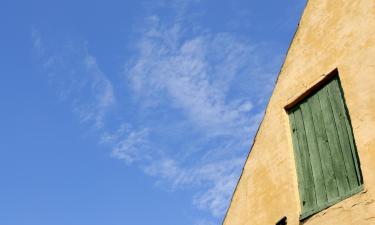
(326, 158)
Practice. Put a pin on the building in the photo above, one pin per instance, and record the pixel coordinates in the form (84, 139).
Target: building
(313, 158)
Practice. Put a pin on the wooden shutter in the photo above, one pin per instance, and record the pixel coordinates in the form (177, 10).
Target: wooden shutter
(327, 163)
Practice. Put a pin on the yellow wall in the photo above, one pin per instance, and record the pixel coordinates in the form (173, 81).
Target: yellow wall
(332, 34)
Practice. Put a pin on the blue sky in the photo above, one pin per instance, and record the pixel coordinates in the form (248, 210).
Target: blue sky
(132, 112)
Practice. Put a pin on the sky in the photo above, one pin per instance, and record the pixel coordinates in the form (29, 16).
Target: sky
(133, 112)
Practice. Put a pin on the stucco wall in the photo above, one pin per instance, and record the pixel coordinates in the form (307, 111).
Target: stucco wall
(332, 34)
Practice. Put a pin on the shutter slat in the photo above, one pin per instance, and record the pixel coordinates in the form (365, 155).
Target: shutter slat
(310, 197)
(313, 150)
(334, 145)
(343, 135)
(322, 140)
(341, 104)
(297, 156)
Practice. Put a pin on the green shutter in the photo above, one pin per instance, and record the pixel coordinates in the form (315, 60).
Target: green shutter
(326, 158)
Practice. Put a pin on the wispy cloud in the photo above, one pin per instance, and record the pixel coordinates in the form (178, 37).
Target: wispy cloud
(129, 144)
(218, 85)
(77, 78)
(217, 178)
(197, 98)
(197, 75)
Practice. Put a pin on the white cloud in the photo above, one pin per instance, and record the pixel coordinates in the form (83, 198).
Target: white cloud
(130, 145)
(195, 75)
(37, 42)
(199, 97)
(245, 107)
(217, 178)
(77, 78)
(202, 77)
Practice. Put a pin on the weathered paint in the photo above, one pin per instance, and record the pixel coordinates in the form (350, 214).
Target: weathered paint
(332, 34)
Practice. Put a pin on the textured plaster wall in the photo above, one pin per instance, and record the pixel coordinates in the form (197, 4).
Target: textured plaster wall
(332, 34)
